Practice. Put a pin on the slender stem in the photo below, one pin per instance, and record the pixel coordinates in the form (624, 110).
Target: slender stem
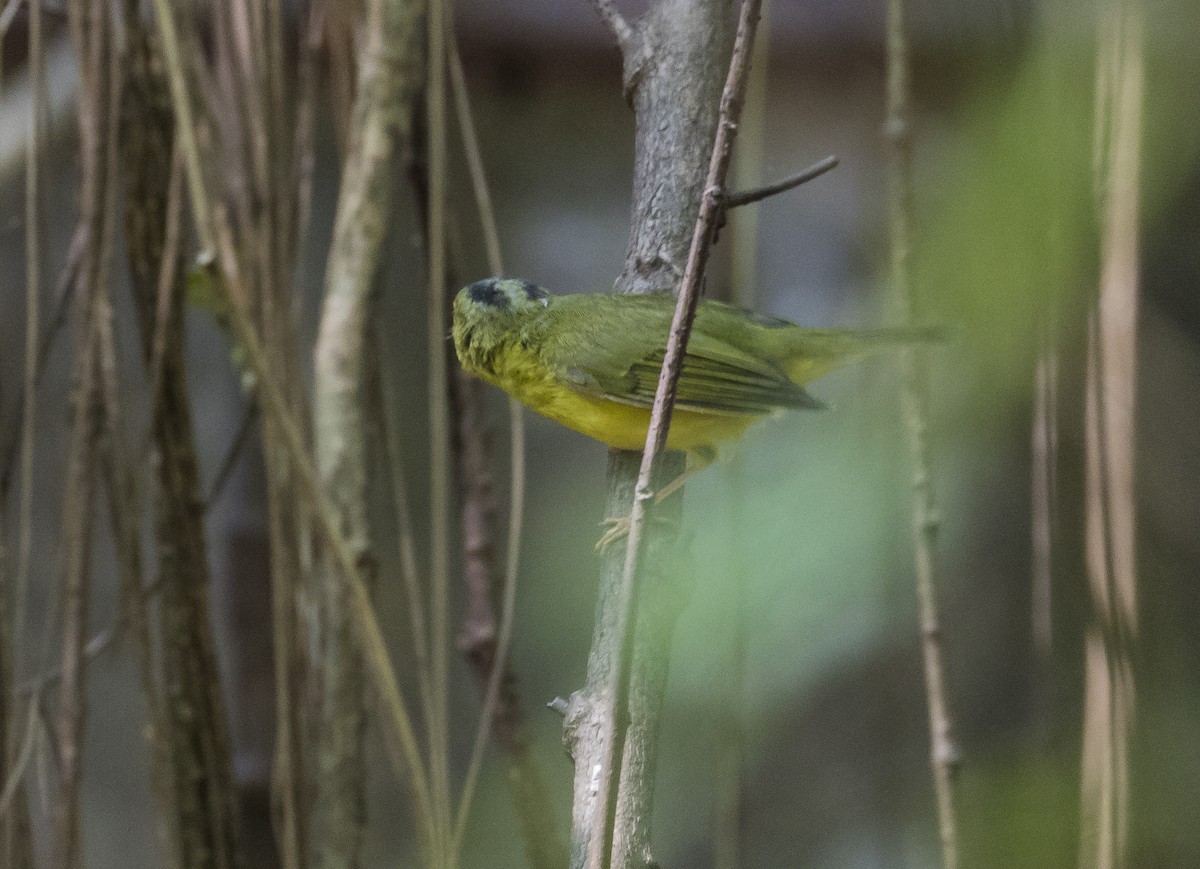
(33, 282)
(64, 291)
(225, 469)
(660, 418)
(180, 97)
(91, 35)
(439, 417)
(168, 275)
(944, 756)
(1110, 484)
(614, 21)
(757, 194)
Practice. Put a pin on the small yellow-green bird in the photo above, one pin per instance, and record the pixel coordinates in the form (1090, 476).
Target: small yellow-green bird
(591, 362)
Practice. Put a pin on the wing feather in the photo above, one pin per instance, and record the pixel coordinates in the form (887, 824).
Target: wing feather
(620, 357)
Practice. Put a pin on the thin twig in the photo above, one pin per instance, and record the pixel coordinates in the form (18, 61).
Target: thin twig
(1044, 450)
(439, 417)
(307, 88)
(168, 274)
(470, 143)
(180, 96)
(944, 756)
(614, 21)
(21, 763)
(101, 642)
(89, 24)
(64, 294)
(232, 453)
(816, 170)
(615, 715)
(33, 301)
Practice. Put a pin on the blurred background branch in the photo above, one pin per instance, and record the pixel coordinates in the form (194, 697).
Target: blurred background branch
(1109, 702)
(910, 307)
(389, 81)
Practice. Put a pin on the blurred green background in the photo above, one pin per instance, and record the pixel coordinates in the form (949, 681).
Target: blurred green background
(800, 543)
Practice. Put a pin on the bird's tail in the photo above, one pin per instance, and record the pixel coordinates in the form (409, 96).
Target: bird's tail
(806, 354)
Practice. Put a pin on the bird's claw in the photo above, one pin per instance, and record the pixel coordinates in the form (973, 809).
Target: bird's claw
(616, 528)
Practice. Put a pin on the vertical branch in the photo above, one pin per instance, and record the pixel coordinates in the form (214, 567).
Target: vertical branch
(188, 730)
(77, 527)
(17, 845)
(618, 712)
(1043, 515)
(33, 281)
(389, 81)
(943, 751)
(91, 32)
(439, 423)
(1110, 531)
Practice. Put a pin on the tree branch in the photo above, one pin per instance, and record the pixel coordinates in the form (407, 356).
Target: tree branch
(89, 24)
(1110, 433)
(390, 77)
(186, 717)
(757, 194)
(944, 756)
(615, 721)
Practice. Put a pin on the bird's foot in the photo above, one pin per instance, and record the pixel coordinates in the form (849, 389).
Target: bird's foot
(616, 528)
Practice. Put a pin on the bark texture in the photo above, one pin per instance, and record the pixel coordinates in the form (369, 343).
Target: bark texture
(198, 783)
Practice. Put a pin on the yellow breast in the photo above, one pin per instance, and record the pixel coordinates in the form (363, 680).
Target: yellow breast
(521, 374)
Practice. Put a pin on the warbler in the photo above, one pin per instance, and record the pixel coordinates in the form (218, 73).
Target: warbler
(592, 361)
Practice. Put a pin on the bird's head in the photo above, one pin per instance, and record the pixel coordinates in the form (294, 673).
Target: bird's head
(486, 313)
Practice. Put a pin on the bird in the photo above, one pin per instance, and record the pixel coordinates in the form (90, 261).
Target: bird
(591, 362)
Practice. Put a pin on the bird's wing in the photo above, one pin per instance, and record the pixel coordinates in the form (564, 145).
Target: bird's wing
(612, 361)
